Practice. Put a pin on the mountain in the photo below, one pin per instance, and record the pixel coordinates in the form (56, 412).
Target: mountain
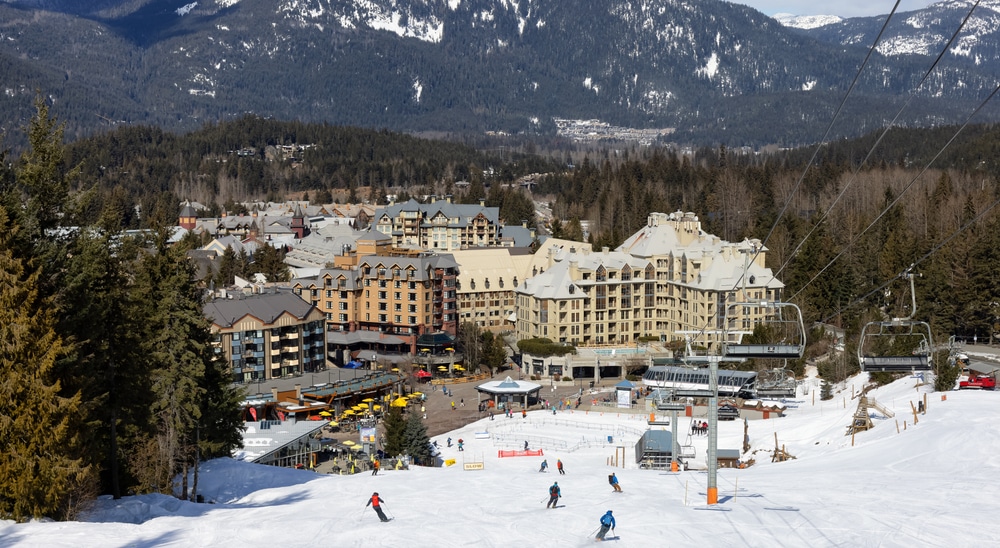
(716, 72)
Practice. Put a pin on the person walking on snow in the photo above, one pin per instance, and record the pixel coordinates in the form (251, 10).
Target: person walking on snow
(524, 413)
(559, 466)
(376, 502)
(554, 495)
(607, 523)
(545, 465)
(613, 480)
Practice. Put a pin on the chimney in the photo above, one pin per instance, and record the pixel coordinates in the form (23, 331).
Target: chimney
(482, 202)
(605, 250)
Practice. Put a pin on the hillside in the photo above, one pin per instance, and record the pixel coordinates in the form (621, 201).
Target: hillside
(716, 72)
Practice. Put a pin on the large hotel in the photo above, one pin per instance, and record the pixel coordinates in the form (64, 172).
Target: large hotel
(667, 281)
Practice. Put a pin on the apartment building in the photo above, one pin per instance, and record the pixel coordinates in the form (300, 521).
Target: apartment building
(668, 280)
(439, 225)
(267, 335)
(387, 299)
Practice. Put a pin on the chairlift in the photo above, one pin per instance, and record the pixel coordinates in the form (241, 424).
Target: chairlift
(775, 383)
(878, 347)
(785, 329)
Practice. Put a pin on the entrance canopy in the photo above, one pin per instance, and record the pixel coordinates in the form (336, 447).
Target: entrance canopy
(509, 390)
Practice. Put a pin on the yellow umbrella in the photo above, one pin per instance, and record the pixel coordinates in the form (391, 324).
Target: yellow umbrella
(399, 402)
(348, 412)
(396, 369)
(356, 448)
(442, 368)
(376, 407)
(368, 400)
(418, 393)
(349, 443)
(325, 414)
(359, 407)
(459, 368)
(333, 423)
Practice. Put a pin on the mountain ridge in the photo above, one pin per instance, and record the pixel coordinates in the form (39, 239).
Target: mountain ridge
(715, 71)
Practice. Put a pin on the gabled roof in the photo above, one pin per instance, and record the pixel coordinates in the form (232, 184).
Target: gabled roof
(266, 307)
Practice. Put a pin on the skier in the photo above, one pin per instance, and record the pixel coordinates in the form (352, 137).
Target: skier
(545, 464)
(449, 442)
(460, 442)
(375, 502)
(524, 413)
(554, 495)
(375, 466)
(607, 523)
(525, 445)
(613, 480)
(559, 466)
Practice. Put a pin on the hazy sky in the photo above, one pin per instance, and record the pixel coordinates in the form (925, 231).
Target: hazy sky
(844, 8)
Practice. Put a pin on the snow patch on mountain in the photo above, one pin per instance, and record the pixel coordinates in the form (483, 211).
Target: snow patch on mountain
(389, 17)
(806, 21)
(185, 9)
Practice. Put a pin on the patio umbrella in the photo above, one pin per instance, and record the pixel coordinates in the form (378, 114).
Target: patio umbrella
(368, 400)
(442, 368)
(399, 402)
(333, 423)
(418, 393)
(396, 369)
(349, 443)
(376, 407)
(348, 412)
(325, 414)
(423, 374)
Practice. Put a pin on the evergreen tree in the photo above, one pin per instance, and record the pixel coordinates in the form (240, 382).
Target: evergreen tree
(40, 174)
(394, 425)
(38, 475)
(269, 261)
(416, 443)
(227, 268)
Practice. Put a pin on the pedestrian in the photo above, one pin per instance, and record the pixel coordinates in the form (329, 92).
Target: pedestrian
(607, 523)
(613, 480)
(376, 502)
(452, 405)
(462, 402)
(460, 442)
(525, 445)
(559, 467)
(449, 442)
(491, 415)
(545, 464)
(554, 495)
(375, 466)
(524, 413)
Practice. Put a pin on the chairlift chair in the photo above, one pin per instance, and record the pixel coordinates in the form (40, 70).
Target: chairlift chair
(785, 324)
(892, 334)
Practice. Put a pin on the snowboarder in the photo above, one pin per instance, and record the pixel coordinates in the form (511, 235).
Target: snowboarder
(559, 466)
(376, 502)
(607, 523)
(554, 495)
(613, 480)
(545, 465)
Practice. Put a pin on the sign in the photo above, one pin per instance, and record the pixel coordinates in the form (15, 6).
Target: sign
(473, 466)
(625, 398)
(368, 435)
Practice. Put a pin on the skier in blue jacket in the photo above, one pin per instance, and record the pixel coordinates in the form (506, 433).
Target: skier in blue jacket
(607, 523)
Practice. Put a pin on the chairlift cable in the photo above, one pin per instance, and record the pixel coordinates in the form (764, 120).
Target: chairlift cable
(878, 141)
(900, 196)
(824, 140)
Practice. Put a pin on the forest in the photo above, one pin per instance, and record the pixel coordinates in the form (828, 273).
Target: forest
(123, 394)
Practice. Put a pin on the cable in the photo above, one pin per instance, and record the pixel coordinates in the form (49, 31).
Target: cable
(899, 197)
(878, 141)
(826, 136)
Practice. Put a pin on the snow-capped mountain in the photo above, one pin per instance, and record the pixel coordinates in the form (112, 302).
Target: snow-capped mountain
(926, 31)
(806, 21)
(716, 71)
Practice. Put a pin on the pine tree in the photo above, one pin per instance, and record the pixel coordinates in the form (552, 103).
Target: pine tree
(415, 440)
(38, 476)
(394, 425)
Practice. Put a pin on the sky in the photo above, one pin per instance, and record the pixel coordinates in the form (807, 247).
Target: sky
(843, 8)
(900, 484)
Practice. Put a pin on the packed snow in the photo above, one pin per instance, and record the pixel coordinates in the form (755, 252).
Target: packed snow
(903, 483)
